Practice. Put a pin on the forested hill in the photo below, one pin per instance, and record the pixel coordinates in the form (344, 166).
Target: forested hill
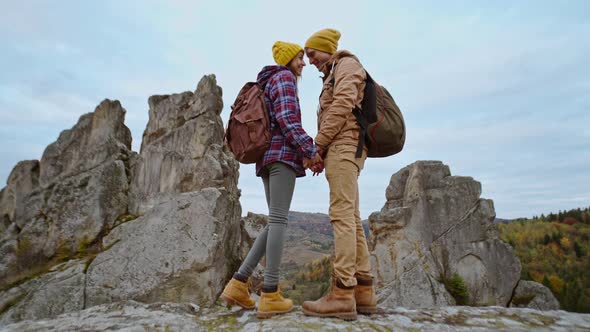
(554, 250)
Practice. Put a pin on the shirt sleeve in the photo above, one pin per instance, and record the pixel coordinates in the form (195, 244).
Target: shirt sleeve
(283, 95)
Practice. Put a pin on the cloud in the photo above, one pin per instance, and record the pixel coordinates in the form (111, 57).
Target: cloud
(496, 91)
(22, 107)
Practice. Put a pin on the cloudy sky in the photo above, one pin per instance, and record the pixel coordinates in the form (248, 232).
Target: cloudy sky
(497, 90)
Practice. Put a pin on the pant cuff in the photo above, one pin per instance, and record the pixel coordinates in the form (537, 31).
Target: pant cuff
(270, 289)
(364, 281)
(340, 285)
(240, 277)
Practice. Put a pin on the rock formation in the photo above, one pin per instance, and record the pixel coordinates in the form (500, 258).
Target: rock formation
(159, 226)
(182, 148)
(434, 228)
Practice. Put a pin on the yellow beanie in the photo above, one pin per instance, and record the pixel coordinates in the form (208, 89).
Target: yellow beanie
(284, 52)
(325, 40)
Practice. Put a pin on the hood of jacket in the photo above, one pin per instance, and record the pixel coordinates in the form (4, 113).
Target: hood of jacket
(336, 58)
(268, 71)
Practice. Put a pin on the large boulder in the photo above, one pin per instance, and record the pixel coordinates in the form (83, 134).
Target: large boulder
(433, 229)
(181, 250)
(530, 294)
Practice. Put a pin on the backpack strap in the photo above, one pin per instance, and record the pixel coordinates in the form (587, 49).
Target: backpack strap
(363, 131)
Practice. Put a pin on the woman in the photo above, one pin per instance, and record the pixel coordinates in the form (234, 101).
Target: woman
(278, 168)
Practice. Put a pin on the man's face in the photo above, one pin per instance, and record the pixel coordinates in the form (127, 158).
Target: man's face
(317, 58)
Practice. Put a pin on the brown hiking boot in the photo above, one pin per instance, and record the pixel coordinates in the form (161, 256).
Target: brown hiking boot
(273, 304)
(236, 292)
(338, 303)
(364, 295)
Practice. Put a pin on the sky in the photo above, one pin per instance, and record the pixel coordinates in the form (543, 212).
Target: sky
(497, 90)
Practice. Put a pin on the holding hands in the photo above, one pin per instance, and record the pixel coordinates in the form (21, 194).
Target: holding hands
(316, 164)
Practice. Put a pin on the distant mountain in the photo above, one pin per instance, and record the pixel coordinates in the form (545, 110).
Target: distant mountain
(317, 222)
(309, 236)
(307, 216)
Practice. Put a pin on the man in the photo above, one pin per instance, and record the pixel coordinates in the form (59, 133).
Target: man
(337, 140)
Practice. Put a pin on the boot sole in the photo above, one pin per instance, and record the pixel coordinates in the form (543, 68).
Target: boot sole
(367, 310)
(269, 314)
(342, 315)
(231, 301)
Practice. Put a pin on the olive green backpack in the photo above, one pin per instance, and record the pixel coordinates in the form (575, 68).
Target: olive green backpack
(382, 127)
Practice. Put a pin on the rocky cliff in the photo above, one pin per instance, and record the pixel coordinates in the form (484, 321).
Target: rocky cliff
(93, 222)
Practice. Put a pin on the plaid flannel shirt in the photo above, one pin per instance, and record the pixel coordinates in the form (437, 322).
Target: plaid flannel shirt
(291, 143)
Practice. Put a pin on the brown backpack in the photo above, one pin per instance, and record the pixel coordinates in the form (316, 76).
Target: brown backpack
(248, 129)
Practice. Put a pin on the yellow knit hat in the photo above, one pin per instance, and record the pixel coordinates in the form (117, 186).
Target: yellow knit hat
(325, 40)
(284, 52)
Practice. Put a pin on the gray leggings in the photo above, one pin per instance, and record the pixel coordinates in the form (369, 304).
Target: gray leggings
(279, 184)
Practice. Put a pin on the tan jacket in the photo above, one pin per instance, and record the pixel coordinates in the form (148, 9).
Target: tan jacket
(336, 123)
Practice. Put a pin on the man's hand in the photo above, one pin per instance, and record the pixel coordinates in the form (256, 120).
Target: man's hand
(307, 163)
(317, 168)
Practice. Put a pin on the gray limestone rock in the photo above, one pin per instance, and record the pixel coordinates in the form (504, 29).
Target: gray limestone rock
(252, 225)
(182, 148)
(55, 208)
(530, 294)
(58, 291)
(97, 138)
(432, 227)
(181, 250)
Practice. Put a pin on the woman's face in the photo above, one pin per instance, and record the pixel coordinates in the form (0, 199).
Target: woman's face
(296, 65)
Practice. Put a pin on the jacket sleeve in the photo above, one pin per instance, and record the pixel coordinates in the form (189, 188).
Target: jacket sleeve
(349, 75)
(283, 95)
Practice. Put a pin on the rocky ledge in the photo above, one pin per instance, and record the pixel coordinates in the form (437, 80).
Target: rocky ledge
(135, 316)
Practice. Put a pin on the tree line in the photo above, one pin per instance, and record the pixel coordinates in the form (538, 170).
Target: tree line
(553, 250)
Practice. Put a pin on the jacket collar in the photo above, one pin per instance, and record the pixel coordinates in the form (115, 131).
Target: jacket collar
(333, 61)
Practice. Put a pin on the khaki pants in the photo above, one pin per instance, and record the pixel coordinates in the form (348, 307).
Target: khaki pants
(350, 245)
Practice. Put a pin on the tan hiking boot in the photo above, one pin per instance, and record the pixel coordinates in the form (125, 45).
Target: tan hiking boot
(273, 304)
(364, 295)
(236, 293)
(338, 303)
